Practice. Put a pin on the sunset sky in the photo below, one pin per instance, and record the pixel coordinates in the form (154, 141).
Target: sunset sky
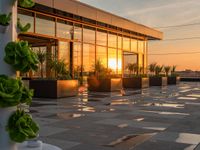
(164, 13)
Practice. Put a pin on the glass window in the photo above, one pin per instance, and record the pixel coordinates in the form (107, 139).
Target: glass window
(77, 32)
(65, 29)
(89, 35)
(26, 17)
(101, 55)
(88, 57)
(129, 57)
(77, 54)
(112, 40)
(145, 47)
(64, 52)
(102, 38)
(119, 62)
(112, 59)
(140, 62)
(45, 25)
(141, 46)
(126, 43)
(134, 46)
(119, 42)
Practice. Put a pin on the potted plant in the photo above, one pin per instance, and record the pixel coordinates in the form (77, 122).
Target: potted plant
(26, 3)
(156, 78)
(173, 78)
(4, 21)
(135, 80)
(102, 80)
(16, 126)
(60, 84)
(21, 28)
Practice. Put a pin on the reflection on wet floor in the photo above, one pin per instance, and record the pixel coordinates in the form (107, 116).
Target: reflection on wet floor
(138, 119)
(87, 109)
(67, 116)
(194, 95)
(166, 113)
(130, 141)
(187, 98)
(123, 125)
(164, 105)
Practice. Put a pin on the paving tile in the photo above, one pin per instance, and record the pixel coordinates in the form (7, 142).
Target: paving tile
(46, 131)
(63, 144)
(186, 138)
(160, 145)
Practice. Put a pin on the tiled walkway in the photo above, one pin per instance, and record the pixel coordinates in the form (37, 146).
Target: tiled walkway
(156, 118)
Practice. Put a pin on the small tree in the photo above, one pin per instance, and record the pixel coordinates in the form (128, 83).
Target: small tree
(152, 68)
(158, 70)
(167, 70)
(41, 57)
(173, 70)
(132, 68)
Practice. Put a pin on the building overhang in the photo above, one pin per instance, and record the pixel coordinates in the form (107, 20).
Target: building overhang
(87, 11)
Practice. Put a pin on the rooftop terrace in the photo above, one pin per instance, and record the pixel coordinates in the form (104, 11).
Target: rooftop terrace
(156, 118)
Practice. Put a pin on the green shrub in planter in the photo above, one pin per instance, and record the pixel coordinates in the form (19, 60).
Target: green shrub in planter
(5, 19)
(21, 127)
(20, 56)
(13, 92)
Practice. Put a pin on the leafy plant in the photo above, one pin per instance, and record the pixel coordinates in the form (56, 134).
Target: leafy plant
(101, 71)
(13, 92)
(173, 69)
(132, 67)
(158, 70)
(5, 19)
(60, 68)
(20, 56)
(21, 127)
(152, 67)
(26, 3)
(167, 70)
(41, 58)
(23, 28)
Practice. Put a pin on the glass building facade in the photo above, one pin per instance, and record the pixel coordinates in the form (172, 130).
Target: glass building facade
(82, 42)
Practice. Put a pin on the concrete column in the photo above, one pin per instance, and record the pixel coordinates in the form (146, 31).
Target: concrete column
(7, 6)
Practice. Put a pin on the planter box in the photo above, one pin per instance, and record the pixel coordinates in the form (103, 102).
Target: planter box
(158, 81)
(54, 88)
(3, 29)
(136, 82)
(104, 85)
(173, 80)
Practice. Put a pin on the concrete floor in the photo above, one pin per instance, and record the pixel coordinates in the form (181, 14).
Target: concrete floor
(156, 118)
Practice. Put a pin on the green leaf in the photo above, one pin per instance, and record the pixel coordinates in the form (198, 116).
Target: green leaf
(5, 19)
(21, 127)
(26, 3)
(20, 56)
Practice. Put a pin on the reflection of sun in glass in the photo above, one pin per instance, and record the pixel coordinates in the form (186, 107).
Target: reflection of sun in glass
(112, 63)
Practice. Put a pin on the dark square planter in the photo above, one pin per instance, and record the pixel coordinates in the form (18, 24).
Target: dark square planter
(104, 85)
(54, 88)
(158, 81)
(173, 80)
(136, 82)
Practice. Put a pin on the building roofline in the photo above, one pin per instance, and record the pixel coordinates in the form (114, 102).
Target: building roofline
(150, 33)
